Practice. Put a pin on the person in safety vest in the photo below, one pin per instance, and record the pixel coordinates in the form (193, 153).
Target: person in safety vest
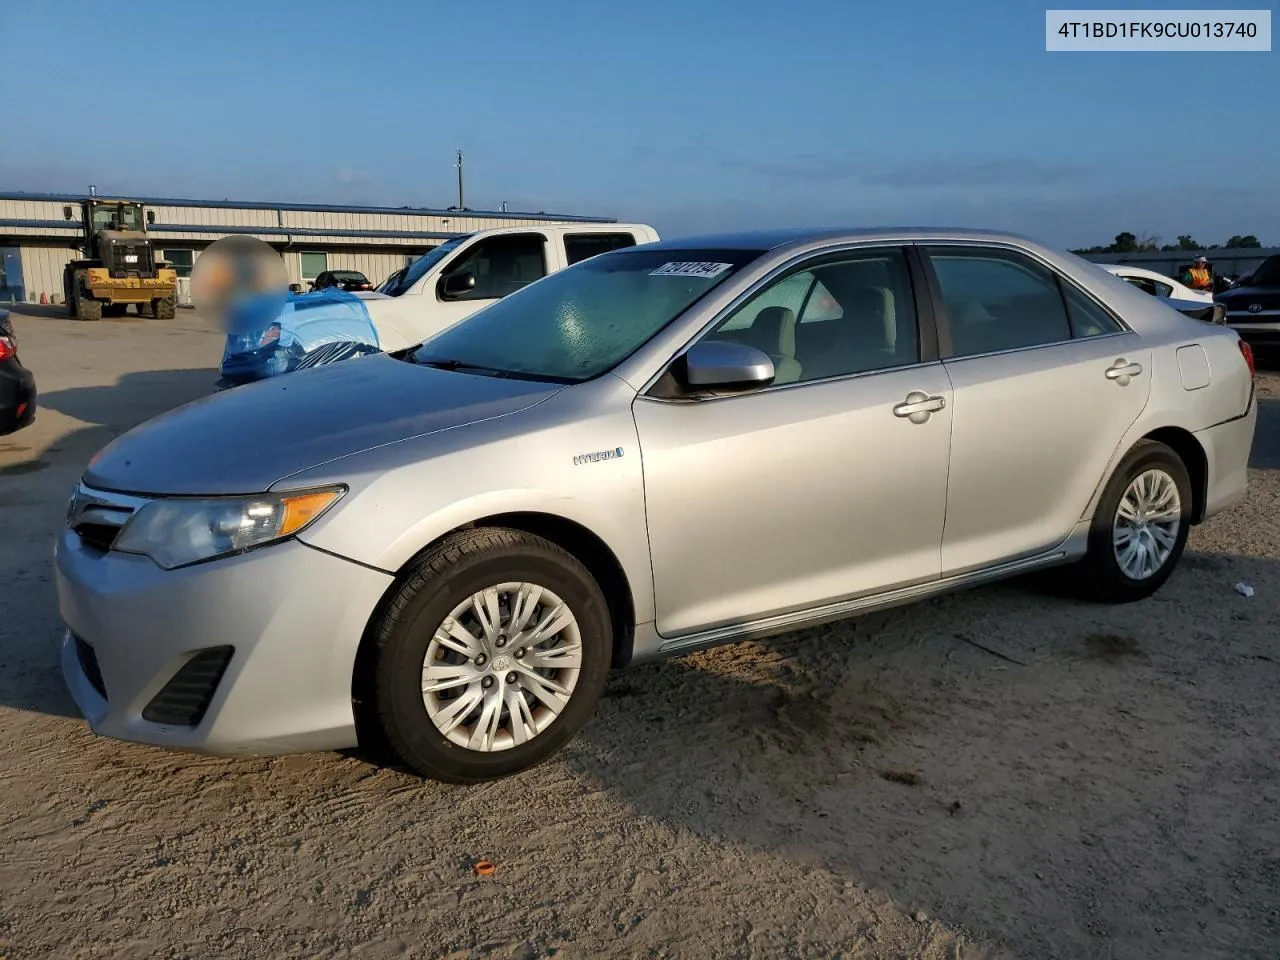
(1199, 275)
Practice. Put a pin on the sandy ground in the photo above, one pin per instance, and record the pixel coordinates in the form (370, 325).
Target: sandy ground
(1105, 785)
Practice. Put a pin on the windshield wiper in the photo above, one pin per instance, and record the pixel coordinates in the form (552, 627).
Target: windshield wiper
(449, 364)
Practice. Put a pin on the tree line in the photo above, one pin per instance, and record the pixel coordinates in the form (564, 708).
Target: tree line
(1132, 243)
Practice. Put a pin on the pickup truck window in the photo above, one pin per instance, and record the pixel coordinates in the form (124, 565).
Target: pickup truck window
(501, 265)
(580, 246)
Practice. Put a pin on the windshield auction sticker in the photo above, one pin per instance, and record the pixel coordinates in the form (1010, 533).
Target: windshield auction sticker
(690, 268)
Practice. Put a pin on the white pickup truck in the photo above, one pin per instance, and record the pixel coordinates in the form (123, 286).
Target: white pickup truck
(469, 272)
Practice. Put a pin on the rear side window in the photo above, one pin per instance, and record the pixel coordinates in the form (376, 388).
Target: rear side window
(997, 300)
(1088, 319)
(581, 246)
(1142, 283)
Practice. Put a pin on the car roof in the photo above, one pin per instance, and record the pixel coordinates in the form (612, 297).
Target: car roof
(772, 239)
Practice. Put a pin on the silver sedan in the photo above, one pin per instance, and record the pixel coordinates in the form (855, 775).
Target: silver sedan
(660, 449)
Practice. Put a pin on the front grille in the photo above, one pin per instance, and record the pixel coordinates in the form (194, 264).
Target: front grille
(89, 664)
(144, 266)
(96, 517)
(185, 698)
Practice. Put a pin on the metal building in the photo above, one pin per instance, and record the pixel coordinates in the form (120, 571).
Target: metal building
(40, 234)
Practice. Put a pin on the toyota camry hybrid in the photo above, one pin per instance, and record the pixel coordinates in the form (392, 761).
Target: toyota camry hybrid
(659, 449)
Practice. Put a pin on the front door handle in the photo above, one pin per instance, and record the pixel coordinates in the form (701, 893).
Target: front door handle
(1122, 371)
(917, 407)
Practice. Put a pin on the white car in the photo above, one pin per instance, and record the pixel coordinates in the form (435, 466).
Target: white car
(1157, 284)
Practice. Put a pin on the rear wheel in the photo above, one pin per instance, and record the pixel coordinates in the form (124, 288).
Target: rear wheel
(490, 657)
(1140, 526)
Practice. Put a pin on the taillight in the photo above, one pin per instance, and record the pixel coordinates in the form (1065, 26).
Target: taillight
(7, 348)
(1247, 351)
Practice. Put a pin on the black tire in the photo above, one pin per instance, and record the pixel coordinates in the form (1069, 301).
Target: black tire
(165, 308)
(1099, 575)
(68, 293)
(86, 307)
(458, 567)
(144, 309)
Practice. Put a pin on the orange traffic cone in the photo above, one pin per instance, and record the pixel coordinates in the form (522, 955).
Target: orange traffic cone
(44, 297)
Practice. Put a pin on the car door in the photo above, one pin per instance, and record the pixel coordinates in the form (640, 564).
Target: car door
(827, 484)
(1046, 384)
(499, 265)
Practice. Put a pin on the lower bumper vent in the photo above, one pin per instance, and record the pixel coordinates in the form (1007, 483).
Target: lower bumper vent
(184, 699)
(89, 664)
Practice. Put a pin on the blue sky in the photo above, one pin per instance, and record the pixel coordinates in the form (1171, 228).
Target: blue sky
(695, 115)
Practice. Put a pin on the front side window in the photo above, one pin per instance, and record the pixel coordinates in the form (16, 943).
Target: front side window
(586, 319)
(997, 300)
(855, 314)
(500, 265)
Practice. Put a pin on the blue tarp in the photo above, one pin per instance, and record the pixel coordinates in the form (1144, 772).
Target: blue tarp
(269, 336)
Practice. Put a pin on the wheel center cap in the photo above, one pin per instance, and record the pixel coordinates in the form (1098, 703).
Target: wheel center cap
(502, 664)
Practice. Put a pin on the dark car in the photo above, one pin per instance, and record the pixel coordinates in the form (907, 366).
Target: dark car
(348, 280)
(1253, 305)
(17, 385)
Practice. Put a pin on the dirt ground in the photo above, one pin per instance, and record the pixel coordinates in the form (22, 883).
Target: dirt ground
(1096, 783)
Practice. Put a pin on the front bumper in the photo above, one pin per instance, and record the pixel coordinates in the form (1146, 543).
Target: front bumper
(293, 615)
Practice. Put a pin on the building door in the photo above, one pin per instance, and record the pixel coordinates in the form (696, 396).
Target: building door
(12, 289)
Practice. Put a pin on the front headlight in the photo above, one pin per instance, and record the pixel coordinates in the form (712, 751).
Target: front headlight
(182, 531)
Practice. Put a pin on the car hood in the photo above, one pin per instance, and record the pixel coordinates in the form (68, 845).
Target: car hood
(246, 439)
(1239, 298)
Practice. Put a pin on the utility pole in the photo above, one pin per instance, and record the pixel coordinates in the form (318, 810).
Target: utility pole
(461, 205)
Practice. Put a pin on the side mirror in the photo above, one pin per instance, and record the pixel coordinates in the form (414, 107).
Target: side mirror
(151, 216)
(457, 284)
(723, 364)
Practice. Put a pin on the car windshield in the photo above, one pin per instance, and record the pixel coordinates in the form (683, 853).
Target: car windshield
(402, 280)
(582, 321)
(1267, 275)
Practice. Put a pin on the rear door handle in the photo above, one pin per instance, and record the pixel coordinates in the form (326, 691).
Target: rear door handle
(1122, 371)
(918, 406)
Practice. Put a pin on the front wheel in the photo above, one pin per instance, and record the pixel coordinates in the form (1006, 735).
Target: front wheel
(1140, 526)
(490, 656)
